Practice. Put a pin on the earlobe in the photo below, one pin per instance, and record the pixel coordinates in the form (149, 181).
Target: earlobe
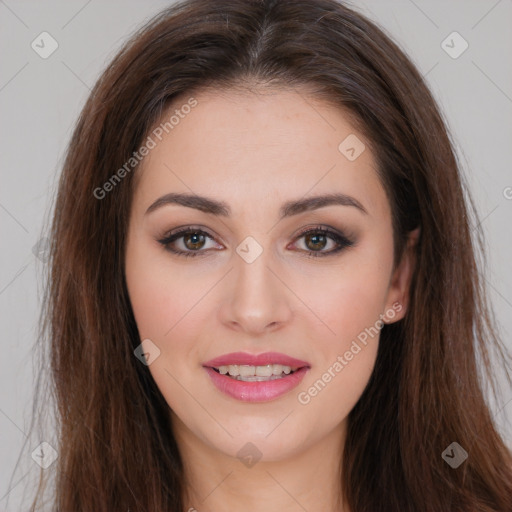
(398, 294)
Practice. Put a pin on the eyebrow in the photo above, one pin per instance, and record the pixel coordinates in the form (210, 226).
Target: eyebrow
(288, 209)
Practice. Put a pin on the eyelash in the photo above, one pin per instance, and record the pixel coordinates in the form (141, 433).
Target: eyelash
(342, 241)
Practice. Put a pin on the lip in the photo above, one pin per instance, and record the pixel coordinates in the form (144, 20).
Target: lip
(255, 360)
(256, 391)
(264, 391)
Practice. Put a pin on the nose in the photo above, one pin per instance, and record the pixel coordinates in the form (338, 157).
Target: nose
(257, 300)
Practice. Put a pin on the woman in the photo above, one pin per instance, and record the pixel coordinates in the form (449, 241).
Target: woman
(263, 290)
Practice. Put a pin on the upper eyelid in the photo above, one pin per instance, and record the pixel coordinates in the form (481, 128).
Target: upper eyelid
(180, 232)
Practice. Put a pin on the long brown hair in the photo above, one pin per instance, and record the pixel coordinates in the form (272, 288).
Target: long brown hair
(115, 445)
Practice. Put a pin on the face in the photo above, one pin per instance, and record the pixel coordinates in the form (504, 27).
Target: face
(261, 268)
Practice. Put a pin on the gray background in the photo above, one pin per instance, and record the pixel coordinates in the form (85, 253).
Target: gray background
(40, 100)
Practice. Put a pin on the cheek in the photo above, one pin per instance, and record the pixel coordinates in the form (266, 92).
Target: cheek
(348, 305)
(350, 300)
(345, 299)
(159, 294)
(170, 306)
(346, 346)
(162, 301)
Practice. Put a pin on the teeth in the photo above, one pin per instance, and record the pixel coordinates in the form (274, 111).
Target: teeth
(243, 370)
(255, 378)
(265, 371)
(246, 371)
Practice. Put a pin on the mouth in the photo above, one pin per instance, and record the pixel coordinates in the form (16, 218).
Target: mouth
(250, 373)
(256, 377)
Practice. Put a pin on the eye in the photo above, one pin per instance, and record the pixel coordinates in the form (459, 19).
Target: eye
(317, 238)
(193, 240)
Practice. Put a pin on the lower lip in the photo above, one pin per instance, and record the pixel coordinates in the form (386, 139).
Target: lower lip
(256, 391)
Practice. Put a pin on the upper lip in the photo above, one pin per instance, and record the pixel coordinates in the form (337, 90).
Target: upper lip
(255, 360)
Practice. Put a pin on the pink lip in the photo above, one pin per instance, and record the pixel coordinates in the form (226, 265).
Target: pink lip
(255, 360)
(256, 391)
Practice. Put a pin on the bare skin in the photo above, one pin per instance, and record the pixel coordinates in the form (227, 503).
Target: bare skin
(255, 152)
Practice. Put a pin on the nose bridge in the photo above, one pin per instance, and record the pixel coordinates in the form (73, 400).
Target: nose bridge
(254, 277)
(259, 298)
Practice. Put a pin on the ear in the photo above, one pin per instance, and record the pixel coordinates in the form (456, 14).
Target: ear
(397, 300)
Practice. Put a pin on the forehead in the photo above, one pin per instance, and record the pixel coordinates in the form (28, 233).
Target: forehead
(254, 146)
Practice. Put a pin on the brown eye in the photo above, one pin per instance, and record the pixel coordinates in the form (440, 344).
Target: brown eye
(190, 242)
(317, 239)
